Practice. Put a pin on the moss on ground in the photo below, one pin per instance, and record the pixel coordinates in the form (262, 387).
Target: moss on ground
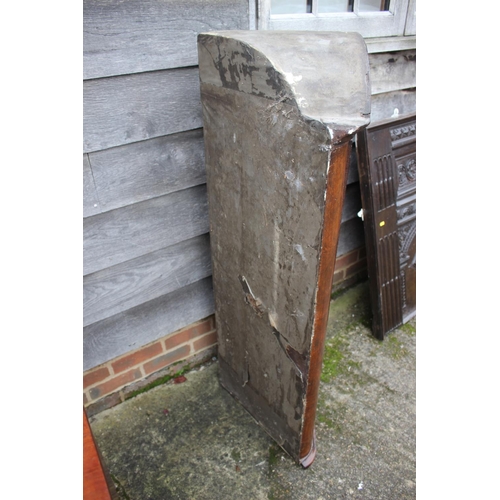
(278, 490)
(350, 309)
(328, 416)
(235, 455)
(394, 342)
(157, 382)
(349, 313)
(274, 454)
(409, 328)
(336, 359)
(395, 347)
(332, 359)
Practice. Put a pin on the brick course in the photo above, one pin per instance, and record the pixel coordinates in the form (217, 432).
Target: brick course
(355, 268)
(347, 259)
(95, 375)
(338, 276)
(206, 341)
(166, 359)
(187, 334)
(349, 268)
(145, 354)
(114, 383)
(108, 384)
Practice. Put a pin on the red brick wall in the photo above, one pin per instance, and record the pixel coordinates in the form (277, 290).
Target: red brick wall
(109, 384)
(350, 268)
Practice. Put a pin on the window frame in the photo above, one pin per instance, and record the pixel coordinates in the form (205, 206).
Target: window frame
(369, 24)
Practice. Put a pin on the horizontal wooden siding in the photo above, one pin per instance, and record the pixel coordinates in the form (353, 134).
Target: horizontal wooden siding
(147, 270)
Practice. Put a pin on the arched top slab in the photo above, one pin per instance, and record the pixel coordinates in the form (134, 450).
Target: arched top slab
(324, 74)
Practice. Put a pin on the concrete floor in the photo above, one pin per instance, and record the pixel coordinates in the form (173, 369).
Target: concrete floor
(193, 441)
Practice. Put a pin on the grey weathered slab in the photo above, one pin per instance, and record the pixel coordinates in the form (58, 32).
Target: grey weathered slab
(142, 170)
(127, 331)
(279, 111)
(306, 84)
(145, 35)
(131, 283)
(129, 232)
(124, 109)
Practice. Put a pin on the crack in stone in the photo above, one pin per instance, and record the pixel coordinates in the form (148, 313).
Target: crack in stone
(297, 358)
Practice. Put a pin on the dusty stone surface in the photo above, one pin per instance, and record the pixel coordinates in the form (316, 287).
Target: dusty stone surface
(277, 125)
(194, 441)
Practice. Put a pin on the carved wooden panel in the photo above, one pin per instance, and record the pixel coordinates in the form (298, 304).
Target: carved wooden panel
(387, 171)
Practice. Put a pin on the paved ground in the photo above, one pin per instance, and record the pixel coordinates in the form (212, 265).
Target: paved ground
(193, 441)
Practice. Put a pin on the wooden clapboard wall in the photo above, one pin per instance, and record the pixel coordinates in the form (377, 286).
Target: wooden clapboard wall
(393, 82)
(146, 246)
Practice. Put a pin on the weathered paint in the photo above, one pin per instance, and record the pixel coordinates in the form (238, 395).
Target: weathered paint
(279, 110)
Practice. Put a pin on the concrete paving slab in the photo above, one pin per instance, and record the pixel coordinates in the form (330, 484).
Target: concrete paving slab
(194, 441)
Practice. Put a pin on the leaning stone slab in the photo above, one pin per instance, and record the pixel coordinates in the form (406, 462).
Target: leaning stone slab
(279, 111)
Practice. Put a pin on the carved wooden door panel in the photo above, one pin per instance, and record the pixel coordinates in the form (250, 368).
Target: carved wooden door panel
(279, 110)
(387, 171)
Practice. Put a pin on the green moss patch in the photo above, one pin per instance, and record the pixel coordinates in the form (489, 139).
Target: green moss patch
(235, 455)
(409, 328)
(395, 347)
(332, 359)
(336, 360)
(157, 382)
(331, 415)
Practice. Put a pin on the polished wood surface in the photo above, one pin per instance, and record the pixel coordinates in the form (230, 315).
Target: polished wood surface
(95, 486)
(335, 192)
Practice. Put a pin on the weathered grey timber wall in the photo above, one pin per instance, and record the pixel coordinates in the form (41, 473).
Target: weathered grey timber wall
(393, 82)
(146, 250)
(147, 268)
